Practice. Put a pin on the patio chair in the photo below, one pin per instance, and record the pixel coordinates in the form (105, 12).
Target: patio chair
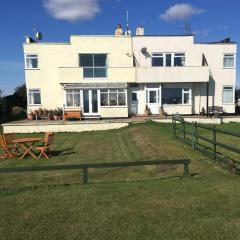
(5, 148)
(45, 148)
(9, 140)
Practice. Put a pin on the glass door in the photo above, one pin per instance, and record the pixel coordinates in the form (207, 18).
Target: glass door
(90, 101)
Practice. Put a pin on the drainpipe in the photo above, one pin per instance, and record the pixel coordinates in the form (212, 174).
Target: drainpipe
(207, 98)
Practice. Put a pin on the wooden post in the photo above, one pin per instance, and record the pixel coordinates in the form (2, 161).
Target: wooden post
(186, 169)
(193, 135)
(214, 142)
(184, 134)
(85, 175)
(174, 126)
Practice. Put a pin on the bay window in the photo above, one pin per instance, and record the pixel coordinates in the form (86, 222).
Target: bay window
(73, 98)
(34, 97)
(228, 95)
(157, 60)
(176, 96)
(94, 65)
(179, 59)
(31, 61)
(113, 97)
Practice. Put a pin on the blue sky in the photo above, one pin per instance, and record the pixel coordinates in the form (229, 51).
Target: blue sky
(211, 20)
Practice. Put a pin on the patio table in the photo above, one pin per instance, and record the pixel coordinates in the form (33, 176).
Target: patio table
(26, 144)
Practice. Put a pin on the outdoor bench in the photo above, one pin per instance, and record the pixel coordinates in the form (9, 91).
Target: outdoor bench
(73, 114)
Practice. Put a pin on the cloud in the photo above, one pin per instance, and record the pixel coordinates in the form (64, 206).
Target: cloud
(72, 10)
(180, 11)
(203, 32)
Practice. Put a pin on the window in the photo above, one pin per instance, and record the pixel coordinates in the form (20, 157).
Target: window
(176, 96)
(113, 97)
(94, 65)
(179, 59)
(73, 98)
(34, 97)
(168, 59)
(157, 60)
(31, 61)
(228, 94)
(134, 96)
(229, 61)
(152, 95)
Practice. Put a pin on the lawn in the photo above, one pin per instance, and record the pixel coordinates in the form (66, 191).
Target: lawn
(124, 203)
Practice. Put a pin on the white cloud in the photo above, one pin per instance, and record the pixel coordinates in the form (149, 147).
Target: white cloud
(203, 32)
(72, 10)
(180, 11)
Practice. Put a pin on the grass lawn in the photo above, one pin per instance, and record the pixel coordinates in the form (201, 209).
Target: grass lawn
(123, 203)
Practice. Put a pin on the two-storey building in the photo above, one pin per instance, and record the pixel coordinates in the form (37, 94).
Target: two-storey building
(118, 76)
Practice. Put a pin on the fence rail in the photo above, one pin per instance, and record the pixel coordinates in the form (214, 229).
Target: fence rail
(213, 141)
(86, 166)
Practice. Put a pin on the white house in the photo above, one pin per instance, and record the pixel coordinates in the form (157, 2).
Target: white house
(118, 76)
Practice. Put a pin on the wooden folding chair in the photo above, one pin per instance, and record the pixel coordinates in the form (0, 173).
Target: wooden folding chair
(9, 140)
(47, 143)
(5, 148)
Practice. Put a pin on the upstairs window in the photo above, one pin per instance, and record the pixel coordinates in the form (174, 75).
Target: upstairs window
(157, 60)
(31, 61)
(228, 95)
(34, 97)
(229, 61)
(179, 59)
(168, 59)
(94, 65)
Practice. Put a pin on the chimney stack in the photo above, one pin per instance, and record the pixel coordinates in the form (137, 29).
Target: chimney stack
(119, 31)
(140, 31)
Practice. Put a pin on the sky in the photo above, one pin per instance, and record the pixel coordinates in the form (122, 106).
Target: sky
(211, 20)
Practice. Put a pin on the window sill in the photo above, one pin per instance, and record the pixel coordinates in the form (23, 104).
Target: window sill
(32, 69)
(229, 103)
(106, 78)
(113, 106)
(33, 105)
(176, 105)
(228, 67)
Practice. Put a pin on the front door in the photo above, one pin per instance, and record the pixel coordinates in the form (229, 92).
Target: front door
(134, 103)
(153, 97)
(90, 102)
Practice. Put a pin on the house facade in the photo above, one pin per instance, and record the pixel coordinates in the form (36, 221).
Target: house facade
(119, 76)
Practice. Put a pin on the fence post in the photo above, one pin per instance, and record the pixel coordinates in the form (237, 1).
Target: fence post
(193, 135)
(214, 142)
(186, 169)
(85, 175)
(184, 134)
(174, 126)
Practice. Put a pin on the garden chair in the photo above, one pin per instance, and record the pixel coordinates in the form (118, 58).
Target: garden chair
(5, 148)
(9, 140)
(47, 143)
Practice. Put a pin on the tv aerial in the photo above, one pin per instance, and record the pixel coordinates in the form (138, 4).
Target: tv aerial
(187, 29)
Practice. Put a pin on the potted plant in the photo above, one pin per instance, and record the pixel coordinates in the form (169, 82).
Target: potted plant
(40, 113)
(50, 115)
(161, 111)
(45, 113)
(146, 111)
(30, 116)
(60, 113)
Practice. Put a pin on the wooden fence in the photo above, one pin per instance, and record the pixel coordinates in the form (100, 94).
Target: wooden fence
(86, 166)
(192, 137)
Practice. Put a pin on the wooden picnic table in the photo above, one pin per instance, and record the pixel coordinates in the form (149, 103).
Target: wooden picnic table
(26, 144)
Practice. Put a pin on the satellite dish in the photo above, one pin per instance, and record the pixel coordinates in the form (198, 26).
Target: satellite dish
(38, 36)
(144, 50)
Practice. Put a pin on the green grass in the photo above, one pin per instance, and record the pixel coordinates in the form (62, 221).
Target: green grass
(123, 203)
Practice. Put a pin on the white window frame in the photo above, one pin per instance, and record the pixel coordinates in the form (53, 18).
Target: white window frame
(163, 55)
(107, 91)
(37, 57)
(28, 97)
(93, 67)
(233, 89)
(189, 91)
(234, 59)
(80, 93)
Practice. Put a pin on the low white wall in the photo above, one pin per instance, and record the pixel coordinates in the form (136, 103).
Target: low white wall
(114, 112)
(69, 127)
